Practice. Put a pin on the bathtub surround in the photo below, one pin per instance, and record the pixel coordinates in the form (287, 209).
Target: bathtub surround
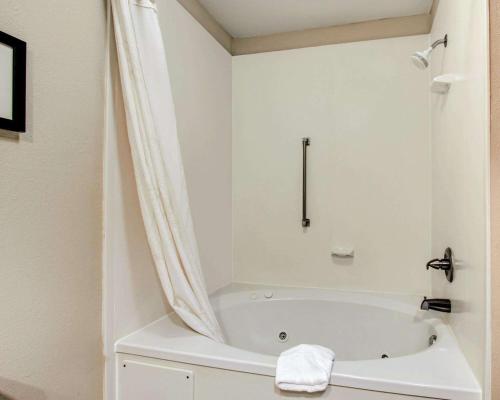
(460, 171)
(300, 88)
(369, 180)
(50, 208)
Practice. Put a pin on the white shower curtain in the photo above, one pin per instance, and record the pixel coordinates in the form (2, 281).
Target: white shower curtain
(158, 168)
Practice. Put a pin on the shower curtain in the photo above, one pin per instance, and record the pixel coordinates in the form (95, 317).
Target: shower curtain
(158, 168)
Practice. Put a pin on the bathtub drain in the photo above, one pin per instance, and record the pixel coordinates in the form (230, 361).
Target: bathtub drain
(282, 336)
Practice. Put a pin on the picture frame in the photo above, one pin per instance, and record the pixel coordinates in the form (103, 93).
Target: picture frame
(12, 83)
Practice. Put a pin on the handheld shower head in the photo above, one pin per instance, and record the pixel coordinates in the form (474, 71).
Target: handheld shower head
(421, 59)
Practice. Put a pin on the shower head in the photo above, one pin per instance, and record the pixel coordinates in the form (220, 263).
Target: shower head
(421, 59)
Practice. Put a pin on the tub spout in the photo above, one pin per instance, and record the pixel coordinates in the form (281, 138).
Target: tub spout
(441, 305)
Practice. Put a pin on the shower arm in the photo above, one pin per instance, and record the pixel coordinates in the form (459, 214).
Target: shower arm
(440, 41)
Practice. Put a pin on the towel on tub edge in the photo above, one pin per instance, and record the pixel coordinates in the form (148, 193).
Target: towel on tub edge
(304, 368)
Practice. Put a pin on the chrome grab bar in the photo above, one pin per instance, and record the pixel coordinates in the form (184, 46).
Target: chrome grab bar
(305, 143)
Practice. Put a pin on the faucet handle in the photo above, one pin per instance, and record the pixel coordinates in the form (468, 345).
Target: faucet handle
(444, 264)
(439, 263)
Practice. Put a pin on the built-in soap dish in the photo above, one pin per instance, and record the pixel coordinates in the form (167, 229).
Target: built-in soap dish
(441, 84)
(343, 251)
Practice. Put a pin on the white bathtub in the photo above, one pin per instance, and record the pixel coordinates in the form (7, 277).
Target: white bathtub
(260, 322)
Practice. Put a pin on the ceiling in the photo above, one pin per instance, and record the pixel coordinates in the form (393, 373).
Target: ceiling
(247, 18)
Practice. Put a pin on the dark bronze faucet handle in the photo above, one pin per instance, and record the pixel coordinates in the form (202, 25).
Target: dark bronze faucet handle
(439, 263)
(444, 264)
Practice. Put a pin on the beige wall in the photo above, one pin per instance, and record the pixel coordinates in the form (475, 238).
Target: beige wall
(459, 147)
(200, 70)
(50, 208)
(495, 193)
(365, 108)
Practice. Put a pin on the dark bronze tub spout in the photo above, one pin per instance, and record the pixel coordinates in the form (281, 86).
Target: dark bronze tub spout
(441, 305)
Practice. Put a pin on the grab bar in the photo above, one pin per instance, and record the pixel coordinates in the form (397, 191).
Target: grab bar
(305, 143)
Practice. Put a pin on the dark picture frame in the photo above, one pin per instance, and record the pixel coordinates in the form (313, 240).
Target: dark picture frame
(18, 121)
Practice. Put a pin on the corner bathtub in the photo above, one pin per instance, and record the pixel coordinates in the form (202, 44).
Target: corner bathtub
(386, 348)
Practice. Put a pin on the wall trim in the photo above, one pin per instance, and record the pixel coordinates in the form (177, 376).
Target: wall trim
(369, 30)
(434, 8)
(495, 194)
(200, 14)
(356, 32)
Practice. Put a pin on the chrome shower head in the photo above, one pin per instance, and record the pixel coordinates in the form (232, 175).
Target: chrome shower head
(421, 59)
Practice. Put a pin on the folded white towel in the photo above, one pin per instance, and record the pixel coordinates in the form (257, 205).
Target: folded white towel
(305, 368)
